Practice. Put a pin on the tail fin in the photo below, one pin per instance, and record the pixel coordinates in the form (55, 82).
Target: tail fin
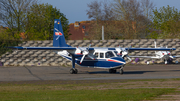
(58, 37)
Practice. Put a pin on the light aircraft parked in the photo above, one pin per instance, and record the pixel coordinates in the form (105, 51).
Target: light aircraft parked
(163, 55)
(94, 57)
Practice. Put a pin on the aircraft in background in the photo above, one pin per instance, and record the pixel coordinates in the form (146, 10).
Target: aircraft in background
(163, 55)
(95, 57)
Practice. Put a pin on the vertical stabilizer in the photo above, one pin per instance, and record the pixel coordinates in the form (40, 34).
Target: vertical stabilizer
(58, 37)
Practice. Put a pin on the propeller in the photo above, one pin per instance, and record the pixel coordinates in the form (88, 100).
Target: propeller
(125, 53)
(85, 53)
(170, 55)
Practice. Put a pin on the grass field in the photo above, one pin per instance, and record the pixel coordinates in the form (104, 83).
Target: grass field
(114, 90)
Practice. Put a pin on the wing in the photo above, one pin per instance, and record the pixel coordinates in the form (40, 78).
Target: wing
(151, 57)
(150, 49)
(69, 49)
(43, 48)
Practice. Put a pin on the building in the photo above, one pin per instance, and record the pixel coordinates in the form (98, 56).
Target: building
(3, 28)
(79, 30)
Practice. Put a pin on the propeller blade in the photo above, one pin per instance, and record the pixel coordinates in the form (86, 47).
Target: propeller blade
(90, 57)
(129, 58)
(80, 49)
(120, 48)
(82, 59)
(122, 55)
(121, 52)
(171, 57)
(129, 47)
(89, 47)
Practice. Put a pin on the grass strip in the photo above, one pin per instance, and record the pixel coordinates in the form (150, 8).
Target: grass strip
(46, 93)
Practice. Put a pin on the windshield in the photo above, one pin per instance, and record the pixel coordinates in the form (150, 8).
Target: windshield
(116, 52)
(109, 54)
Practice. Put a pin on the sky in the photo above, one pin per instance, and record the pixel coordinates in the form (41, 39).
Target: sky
(75, 10)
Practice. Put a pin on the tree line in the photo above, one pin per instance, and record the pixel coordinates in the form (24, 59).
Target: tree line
(33, 19)
(133, 19)
(27, 19)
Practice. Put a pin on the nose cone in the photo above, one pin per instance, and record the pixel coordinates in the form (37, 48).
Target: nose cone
(123, 60)
(120, 60)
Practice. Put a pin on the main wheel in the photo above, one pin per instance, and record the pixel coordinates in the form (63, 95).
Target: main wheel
(110, 70)
(121, 71)
(75, 71)
(72, 71)
(114, 70)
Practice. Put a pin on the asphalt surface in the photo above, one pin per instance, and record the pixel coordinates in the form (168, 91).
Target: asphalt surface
(62, 73)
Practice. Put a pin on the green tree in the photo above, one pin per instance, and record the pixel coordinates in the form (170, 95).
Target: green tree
(165, 22)
(40, 22)
(13, 14)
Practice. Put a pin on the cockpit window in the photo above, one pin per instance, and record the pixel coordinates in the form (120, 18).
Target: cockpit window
(101, 55)
(109, 54)
(116, 52)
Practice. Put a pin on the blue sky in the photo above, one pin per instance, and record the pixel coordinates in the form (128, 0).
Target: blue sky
(75, 10)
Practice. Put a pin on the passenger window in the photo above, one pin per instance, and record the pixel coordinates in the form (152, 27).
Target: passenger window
(101, 55)
(96, 55)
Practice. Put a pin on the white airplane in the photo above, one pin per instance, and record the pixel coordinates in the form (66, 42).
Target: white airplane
(163, 55)
(95, 57)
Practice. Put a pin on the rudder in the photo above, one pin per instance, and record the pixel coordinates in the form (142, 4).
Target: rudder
(58, 36)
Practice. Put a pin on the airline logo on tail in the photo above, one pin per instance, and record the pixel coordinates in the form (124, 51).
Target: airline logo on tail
(58, 33)
(56, 22)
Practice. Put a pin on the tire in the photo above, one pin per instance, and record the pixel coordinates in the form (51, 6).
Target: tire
(121, 71)
(114, 71)
(110, 70)
(72, 71)
(75, 71)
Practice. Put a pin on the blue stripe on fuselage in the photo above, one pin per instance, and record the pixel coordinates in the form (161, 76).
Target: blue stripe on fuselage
(98, 62)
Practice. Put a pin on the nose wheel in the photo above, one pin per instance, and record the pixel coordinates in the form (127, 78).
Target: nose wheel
(121, 70)
(73, 71)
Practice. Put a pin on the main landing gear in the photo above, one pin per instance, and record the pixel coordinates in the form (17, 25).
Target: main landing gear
(114, 70)
(121, 70)
(73, 71)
